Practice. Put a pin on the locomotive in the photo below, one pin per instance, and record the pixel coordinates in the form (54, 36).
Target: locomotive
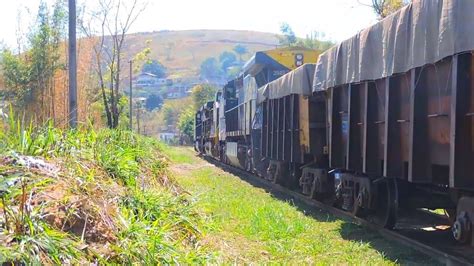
(378, 124)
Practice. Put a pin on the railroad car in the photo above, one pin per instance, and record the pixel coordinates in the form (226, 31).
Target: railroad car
(398, 114)
(235, 105)
(381, 124)
(202, 130)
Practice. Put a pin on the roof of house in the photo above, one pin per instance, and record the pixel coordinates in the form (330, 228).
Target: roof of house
(148, 74)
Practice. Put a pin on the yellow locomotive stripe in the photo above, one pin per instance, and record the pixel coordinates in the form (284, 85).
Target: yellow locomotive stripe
(288, 56)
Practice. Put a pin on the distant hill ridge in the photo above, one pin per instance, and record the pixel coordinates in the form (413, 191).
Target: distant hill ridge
(182, 52)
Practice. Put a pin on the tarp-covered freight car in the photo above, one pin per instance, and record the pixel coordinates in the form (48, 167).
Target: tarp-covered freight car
(299, 82)
(421, 33)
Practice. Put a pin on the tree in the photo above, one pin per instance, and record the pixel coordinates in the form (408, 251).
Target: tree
(240, 50)
(210, 68)
(186, 122)
(154, 67)
(16, 77)
(141, 58)
(227, 59)
(114, 19)
(153, 101)
(30, 75)
(41, 68)
(233, 72)
(384, 8)
(172, 109)
(313, 41)
(58, 34)
(202, 94)
(288, 37)
(169, 113)
(169, 48)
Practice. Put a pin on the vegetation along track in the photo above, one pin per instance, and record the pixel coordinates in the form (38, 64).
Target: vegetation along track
(438, 245)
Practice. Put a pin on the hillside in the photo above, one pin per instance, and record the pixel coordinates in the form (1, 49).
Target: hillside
(182, 52)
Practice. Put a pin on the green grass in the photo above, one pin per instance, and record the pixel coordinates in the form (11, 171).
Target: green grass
(248, 225)
(121, 186)
(179, 155)
(112, 201)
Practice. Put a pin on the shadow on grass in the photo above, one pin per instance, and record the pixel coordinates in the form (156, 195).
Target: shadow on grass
(348, 231)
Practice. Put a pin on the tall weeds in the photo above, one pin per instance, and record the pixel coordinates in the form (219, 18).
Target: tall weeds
(153, 223)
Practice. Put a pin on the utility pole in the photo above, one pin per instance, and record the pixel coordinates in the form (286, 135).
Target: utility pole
(138, 117)
(72, 65)
(131, 97)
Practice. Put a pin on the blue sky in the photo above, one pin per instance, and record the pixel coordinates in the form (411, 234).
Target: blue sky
(338, 19)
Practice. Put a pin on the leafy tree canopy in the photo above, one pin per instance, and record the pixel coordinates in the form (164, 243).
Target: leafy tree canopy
(202, 94)
(240, 50)
(289, 36)
(233, 72)
(384, 8)
(29, 76)
(314, 41)
(210, 68)
(186, 122)
(153, 101)
(227, 59)
(169, 115)
(154, 67)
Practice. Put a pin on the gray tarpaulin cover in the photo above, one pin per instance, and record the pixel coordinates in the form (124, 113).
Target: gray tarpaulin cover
(298, 81)
(423, 32)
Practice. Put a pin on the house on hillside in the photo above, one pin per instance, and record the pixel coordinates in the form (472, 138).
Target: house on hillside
(221, 82)
(181, 88)
(149, 80)
(177, 92)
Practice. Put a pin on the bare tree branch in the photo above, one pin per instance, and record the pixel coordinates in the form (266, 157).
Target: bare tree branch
(383, 8)
(115, 20)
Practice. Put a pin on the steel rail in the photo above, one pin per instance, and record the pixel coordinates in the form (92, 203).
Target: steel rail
(439, 255)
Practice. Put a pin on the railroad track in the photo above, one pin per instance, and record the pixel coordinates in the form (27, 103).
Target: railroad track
(440, 247)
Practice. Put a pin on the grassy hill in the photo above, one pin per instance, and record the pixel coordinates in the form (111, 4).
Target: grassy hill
(182, 52)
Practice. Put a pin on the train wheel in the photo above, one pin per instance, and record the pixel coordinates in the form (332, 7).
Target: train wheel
(281, 171)
(462, 227)
(248, 164)
(248, 161)
(224, 157)
(294, 176)
(357, 209)
(451, 214)
(386, 203)
(221, 153)
(335, 197)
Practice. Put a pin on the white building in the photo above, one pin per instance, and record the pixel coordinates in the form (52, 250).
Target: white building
(168, 137)
(148, 80)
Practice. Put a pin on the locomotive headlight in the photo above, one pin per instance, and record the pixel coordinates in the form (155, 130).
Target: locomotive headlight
(299, 60)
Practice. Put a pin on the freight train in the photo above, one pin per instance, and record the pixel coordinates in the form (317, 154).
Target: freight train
(380, 123)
